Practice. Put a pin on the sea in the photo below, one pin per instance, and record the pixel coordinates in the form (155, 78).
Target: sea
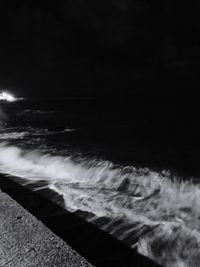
(129, 165)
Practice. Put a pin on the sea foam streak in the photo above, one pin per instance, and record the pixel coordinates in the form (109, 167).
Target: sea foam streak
(13, 135)
(28, 131)
(158, 215)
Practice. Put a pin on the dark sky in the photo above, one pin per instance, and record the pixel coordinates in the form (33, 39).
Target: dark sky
(102, 47)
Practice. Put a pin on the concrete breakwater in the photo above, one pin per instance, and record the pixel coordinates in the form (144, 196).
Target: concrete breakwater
(25, 241)
(98, 247)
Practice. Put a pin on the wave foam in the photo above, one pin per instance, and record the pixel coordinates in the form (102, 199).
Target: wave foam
(13, 135)
(156, 213)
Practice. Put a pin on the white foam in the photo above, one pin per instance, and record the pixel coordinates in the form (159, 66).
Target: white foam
(12, 135)
(163, 213)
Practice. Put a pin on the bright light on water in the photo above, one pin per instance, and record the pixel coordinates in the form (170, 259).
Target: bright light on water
(7, 97)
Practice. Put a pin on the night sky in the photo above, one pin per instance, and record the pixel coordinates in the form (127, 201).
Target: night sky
(99, 48)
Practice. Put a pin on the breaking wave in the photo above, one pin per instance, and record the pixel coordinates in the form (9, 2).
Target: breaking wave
(157, 214)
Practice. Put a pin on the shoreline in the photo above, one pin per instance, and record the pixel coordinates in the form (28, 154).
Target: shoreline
(96, 246)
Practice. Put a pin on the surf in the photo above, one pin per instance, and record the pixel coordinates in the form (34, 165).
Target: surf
(154, 212)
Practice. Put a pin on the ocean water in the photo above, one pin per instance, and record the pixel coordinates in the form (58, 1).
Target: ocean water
(130, 168)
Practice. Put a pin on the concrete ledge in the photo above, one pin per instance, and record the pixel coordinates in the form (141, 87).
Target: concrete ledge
(25, 241)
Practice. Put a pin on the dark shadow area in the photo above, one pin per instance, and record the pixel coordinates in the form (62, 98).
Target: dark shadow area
(98, 247)
(99, 48)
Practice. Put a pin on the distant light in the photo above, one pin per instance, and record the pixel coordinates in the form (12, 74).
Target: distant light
(7, 97)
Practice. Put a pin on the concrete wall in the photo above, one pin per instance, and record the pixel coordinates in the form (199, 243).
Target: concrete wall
(25, 241)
